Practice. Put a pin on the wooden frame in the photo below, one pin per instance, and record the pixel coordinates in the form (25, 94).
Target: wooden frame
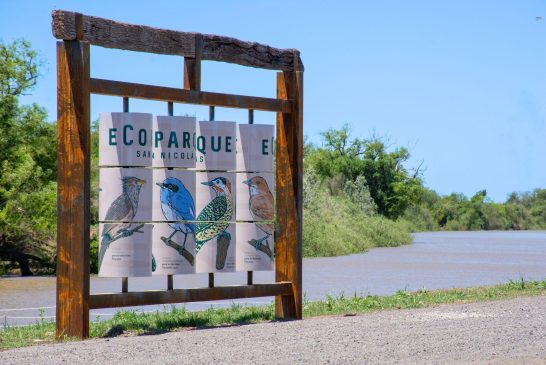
(74, 87)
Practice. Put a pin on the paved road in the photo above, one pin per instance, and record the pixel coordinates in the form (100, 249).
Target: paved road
(511, 331)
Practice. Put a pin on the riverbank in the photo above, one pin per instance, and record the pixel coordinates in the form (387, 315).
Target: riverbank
(132, 323)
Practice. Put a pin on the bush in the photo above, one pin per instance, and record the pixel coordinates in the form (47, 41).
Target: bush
(335, 225)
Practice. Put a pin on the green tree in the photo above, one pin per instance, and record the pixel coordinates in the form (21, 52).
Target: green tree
(27, 165)
(392, 187)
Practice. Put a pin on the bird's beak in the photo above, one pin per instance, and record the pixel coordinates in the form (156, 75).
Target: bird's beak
(247, 182)
(141, 182)
(208, 183)
(160, 185)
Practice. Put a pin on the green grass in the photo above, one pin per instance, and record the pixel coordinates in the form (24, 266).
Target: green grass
(177, 318)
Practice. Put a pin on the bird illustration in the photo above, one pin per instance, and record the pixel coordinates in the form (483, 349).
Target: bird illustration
(177, 205)
(214, 218)
(261, 203)
(123, 209)
(260, 246)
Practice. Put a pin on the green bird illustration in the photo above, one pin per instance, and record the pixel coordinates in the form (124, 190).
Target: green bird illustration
(215, 216)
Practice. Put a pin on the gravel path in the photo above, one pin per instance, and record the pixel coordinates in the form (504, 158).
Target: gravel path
(510, 331)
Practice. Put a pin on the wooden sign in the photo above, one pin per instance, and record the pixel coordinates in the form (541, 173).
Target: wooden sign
(173, 246)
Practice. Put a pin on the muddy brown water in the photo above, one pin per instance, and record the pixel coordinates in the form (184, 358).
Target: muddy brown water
(435, 260)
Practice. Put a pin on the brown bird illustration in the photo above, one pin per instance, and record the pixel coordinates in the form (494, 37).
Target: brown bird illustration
(261, 203)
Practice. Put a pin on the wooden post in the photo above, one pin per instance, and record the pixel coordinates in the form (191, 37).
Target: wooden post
(289, 180)
(73, 198)
(192, 67)
(211, 280)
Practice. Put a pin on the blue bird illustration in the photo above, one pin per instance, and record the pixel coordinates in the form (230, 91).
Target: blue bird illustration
(178, 208)
(123, 210)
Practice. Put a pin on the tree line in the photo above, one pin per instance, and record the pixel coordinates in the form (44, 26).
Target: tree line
(358, 193)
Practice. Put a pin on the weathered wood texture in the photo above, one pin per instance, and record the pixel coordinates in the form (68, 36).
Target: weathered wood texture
(227, 49)
(289, 174)
(73, 179)
(112, 34)
(160, 93)
(192, 67)
(130, 299)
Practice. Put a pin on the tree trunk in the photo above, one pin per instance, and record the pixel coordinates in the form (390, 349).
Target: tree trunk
(24, 266)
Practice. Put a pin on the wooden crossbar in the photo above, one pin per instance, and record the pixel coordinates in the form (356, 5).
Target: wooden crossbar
(68, 25)
(130, 299)
(161, 93)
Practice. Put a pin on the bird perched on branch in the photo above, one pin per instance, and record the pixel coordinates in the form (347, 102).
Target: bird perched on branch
(177, 205)
(215, 216)
(123, 210)
(261, 203)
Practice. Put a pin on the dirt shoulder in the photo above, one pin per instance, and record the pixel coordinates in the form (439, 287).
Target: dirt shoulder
(509, 331)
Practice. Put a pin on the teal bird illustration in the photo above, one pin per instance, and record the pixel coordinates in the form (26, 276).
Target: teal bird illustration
(215, 216)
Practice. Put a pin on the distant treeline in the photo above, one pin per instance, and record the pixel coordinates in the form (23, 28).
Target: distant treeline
(357, 192)
(369, 180)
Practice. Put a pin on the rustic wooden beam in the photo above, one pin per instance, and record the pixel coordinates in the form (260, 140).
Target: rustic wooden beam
(73, 189)
(289, 173)
(111, 300)
(232, 50)
(160, 93)
(111, 34)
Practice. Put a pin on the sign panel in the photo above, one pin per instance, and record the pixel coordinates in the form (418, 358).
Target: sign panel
(125, 195)
(125, 249)
(215, 247)
(255, 147)
(255, 201)
(171, 201)
(255, 246)
(215, 145)
(174, 142)
(173, 195)
(125, 139)
(215, 196)
(173, 248)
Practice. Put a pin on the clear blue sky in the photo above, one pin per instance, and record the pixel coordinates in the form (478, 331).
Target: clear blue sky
(462, 84)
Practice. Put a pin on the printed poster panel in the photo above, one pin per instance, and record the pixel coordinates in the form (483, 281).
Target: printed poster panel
(255, 201)
(215, 196)
(215, 246)
(255, 246)
(125, 249)
(125, 139)
(125, 195)
(173, 195)
(215, 145)
(173, 141)
(255, 143)
(173, 248)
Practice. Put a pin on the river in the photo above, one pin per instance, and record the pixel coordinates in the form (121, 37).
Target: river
(435, 260)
